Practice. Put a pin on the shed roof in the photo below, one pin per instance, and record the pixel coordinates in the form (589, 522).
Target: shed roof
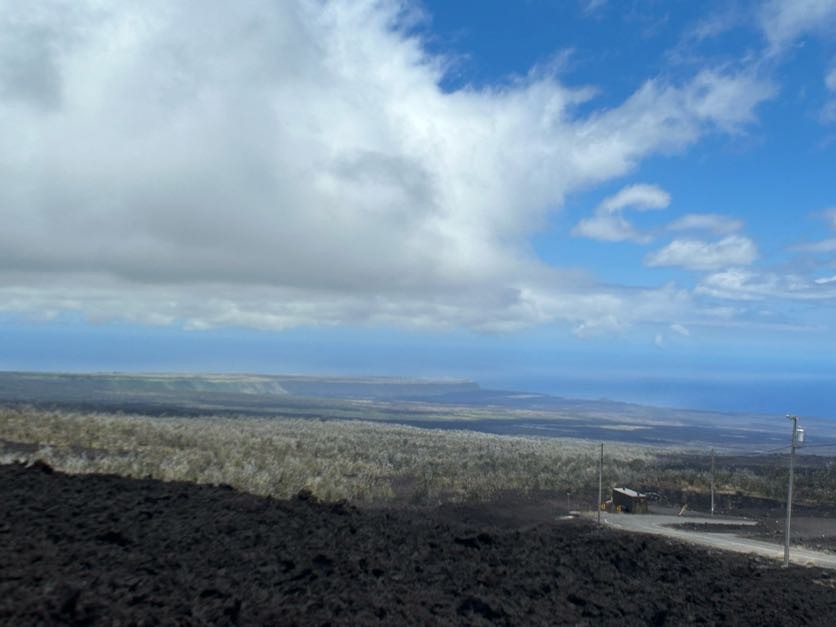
(628, 492)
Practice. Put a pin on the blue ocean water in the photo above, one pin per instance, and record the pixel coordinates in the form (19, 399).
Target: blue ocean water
(812, 397)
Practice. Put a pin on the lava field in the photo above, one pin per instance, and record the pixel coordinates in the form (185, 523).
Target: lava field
(104, 550)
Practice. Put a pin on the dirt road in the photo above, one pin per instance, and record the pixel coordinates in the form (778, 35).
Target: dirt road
(659, 524)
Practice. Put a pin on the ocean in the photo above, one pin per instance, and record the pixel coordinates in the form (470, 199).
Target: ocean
(812, 397)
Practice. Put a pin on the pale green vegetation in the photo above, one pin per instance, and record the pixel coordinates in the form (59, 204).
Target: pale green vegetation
(359, 461)
(368, 462)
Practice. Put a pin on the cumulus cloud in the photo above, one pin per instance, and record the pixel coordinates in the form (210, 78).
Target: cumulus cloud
(608, 223)
(639, 197)
(710, 222)
(692, 254)
(273, 164)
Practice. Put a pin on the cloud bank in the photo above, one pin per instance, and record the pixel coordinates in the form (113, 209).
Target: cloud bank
(273, 164)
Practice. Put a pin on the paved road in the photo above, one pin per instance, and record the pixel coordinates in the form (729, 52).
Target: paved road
(655, 523)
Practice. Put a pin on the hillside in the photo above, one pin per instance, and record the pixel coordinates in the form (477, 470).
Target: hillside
(101, 549)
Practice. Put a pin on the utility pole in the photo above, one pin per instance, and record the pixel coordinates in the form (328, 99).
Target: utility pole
(789, 491)
(600, 483)
(712, 482)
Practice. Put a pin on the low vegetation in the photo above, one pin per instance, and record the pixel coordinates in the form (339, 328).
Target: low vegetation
(367, 462)
(360, 461)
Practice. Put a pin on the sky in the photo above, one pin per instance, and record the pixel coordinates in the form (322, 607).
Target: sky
(622, 199)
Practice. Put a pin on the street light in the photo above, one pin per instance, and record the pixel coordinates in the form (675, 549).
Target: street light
(796, 439)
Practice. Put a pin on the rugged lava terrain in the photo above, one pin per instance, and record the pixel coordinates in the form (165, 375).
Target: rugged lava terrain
(109, 550)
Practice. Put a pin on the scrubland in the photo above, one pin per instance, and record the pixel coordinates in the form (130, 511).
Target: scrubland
(355, 460)
(367, 462)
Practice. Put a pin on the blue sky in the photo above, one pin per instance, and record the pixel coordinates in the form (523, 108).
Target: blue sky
(589, 197)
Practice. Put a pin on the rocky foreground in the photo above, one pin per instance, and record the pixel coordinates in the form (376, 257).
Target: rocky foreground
(84, 550)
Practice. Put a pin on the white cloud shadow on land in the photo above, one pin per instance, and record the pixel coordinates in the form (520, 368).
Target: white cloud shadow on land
(271, 164)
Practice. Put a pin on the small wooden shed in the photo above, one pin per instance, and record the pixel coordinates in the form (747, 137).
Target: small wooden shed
(630, 501)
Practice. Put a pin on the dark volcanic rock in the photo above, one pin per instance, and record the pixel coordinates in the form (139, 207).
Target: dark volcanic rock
(87, 550)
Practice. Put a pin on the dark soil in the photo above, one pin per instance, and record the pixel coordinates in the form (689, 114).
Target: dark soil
(87, 550)
(813, 532)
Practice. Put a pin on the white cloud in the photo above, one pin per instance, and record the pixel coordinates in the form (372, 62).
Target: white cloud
(273, 164)
(609, 227)
(678, 328)
(711, 222)
(716, 23)
(640, 197)
(733, 250)
(591, 6)
(594, 313)
(823, 246)
(828, 111)
(724, 99)
(830, 216)
(830, 79)
(745, 285)
(608, 223)
(784, 21)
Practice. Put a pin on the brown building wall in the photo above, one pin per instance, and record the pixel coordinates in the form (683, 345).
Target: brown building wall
(624, 503)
